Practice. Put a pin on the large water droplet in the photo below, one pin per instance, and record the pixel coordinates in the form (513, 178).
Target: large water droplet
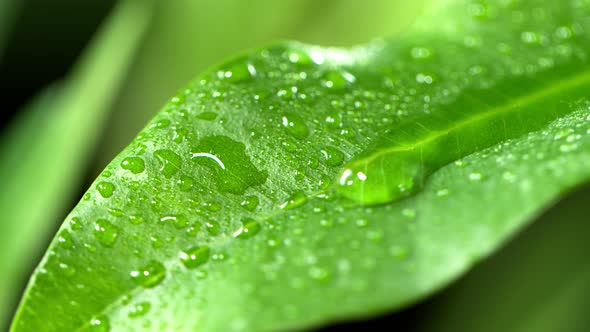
(170, 162)
(227, 164)
(250, 202)
(150, 275)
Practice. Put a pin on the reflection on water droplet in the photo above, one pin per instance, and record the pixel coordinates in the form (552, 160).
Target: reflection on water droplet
(195, 256)
(332, 156)
(475, 176)
(170, 162)
(105, 189)
(139, 309)
(250, 202)
(135, 165)
(250, 227)
(295, 125)
(337, 80)
(237, 72)
(149, 275)
(179, 221)
(105, 232)
(100, 324)
(225, 162)
(297, 199)
(64, 239)
(185, 183)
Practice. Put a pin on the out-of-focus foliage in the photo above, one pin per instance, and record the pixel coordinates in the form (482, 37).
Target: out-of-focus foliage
(45, 151)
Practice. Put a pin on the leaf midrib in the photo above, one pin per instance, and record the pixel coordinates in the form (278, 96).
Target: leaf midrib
(514, 105)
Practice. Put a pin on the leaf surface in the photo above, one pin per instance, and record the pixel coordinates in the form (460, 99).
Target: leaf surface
(225, 212)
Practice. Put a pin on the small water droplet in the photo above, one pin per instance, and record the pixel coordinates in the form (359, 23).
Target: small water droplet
(179, 221)
(237, 72)
(64, 239)
(195, 256)
(100, 324)
(207, 116)
(150, 275)
(135, 165)
(139, 309)
(250, 227)
(475, 176)
(337, 80)
(212, 227)
(297, 199)
(106, 189)
(409, 213)
(295, 125)
(105, 232)
(332, 156)
(298, 57)
(250, 202)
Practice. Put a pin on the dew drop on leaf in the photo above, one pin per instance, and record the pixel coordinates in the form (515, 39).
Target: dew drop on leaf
(100, 324)
(105, 232)
(170, 162)
(250, 227)
(150, 275)
(140, 309)
(106, 189)
(135, 165)
(194, 256)
(250, 202)
(295, 125)
(296, 199)
(185, 183)
(332, 156)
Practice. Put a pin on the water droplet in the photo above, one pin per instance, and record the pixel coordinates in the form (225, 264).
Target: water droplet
(150, 275)
(169, 161)
(185, 183)
(100, 324)
(297, 199)
(105, 189)
(212, 227)
(295, 125)
(139, 309)
(475, 176)
(250, 202)
(207, 116)
(409, 213)
(179, 221)
(250, 227)
(226, 162)
(319, 274)
(135, 219)
(135, 165)
(66, 269)
(421, 53)
(298, 57)
(332, 156)
(195, 256)
(237, 72)
(337, 80)
(64, 239)
(105, 232)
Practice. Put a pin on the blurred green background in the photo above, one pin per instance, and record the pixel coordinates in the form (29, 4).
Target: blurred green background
(83, 77)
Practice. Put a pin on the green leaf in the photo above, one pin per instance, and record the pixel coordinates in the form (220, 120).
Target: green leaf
(168, 61)
(43, 154)
(237, 221)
